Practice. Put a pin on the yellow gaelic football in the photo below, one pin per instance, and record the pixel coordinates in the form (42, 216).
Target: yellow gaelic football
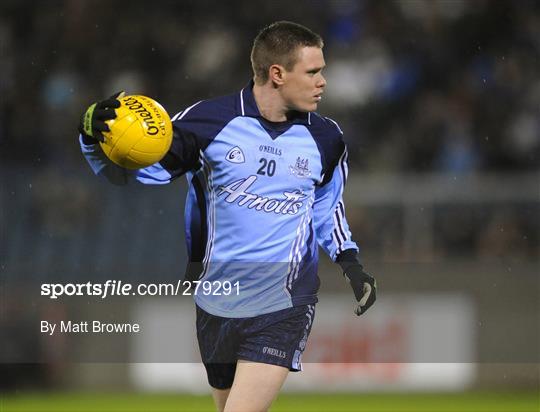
(140, 135)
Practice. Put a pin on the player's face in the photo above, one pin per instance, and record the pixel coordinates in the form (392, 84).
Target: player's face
(303, 86)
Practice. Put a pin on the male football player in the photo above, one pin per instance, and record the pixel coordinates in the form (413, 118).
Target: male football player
(266, 176)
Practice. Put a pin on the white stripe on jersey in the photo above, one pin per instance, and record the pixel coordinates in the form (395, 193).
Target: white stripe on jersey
(242, 101)
(337, 125)
(298, 255)
(182, 113)
(339, 235)
(295, 255)
(292, 253)
(208, 180)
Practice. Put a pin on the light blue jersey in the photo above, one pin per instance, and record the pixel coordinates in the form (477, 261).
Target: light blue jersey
(261, 197)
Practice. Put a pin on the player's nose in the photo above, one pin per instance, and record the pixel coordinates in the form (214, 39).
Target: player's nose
(321, 83)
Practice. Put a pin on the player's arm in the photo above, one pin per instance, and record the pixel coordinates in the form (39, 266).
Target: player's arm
(334, 235)
(181, 157)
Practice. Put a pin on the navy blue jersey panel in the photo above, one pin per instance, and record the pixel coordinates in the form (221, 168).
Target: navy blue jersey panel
(329, 139)
(199, 230)
(207, 118)
(183, 154)
(308, 282)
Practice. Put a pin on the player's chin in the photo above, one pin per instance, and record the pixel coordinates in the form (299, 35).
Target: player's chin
(311, 107)
(307, 106)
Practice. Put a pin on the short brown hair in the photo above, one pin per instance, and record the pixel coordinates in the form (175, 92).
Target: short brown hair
(278, 43)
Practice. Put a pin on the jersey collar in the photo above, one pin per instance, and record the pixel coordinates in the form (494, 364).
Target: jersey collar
(248, 107)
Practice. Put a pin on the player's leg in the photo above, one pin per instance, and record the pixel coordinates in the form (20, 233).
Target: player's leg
(220, 377)
(217, 347)
(255, 386)
(220, 398)
(270, 346)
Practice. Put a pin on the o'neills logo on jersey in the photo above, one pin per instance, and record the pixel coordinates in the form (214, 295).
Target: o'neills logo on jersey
(270, 149)
(238, 193)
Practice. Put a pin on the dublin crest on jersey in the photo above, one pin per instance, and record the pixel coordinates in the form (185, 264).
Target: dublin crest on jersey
(235, 155)
(300, 169)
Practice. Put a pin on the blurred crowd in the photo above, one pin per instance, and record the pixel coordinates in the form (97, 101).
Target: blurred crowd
(417, 86)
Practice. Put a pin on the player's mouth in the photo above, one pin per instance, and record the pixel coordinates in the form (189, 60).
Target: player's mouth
(318, 97)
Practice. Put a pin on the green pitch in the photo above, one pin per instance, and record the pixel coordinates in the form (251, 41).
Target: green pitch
(465, 402)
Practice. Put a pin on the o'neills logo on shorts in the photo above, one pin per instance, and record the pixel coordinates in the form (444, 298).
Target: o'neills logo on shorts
(274, 352)
(138, 107)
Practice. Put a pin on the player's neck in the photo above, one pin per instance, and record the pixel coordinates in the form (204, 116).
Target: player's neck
(270, 103)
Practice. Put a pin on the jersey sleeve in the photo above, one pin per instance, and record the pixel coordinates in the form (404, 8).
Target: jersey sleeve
(331, 227)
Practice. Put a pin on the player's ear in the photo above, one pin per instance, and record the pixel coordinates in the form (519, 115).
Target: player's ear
(276, 74)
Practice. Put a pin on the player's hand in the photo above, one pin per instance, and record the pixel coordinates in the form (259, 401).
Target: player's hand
(92, 124)
(364, 287)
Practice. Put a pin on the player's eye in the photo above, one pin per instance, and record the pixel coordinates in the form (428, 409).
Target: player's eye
(314, 72)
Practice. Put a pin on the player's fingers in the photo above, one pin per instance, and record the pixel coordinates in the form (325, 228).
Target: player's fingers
(104, 114)
(98, 135)
(117, 95)
(111, 103)
(368, 304)
(357, 287)
(100, 126)
(370, 295)
(366, 294)
(360, 310)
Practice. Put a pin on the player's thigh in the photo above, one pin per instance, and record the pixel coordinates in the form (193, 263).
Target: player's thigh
(255, 386)
(220, 398)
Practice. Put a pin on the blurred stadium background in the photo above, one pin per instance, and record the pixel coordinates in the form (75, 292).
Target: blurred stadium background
(439, 102)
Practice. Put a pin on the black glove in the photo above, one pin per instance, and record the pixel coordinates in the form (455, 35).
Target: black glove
(363, 285)
(92, 122)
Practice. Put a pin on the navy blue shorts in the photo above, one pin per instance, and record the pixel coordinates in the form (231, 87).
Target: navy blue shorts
(276, 338)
